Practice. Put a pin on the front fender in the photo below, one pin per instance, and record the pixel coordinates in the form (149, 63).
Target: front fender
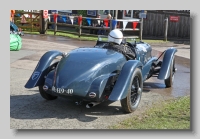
(120, 89)
(37, 77)
(165, 67)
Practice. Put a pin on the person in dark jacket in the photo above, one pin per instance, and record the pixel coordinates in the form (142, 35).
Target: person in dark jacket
(101, 31)
(102, 24)
(95, 23)
(115, 38)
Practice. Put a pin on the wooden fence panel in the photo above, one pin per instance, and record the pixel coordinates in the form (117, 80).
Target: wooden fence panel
(154, 25)
(32, 21)
(107, 29)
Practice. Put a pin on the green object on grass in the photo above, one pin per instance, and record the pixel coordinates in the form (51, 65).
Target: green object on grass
(15, 42)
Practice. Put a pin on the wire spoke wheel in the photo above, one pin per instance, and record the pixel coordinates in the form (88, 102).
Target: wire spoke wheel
(135, 91)
(132, 100)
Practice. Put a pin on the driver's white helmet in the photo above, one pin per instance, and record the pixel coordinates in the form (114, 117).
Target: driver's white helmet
(115, 36)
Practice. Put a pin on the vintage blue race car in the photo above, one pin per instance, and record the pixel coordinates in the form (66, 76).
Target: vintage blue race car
(95, 74)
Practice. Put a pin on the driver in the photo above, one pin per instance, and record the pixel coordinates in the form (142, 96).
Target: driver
(115, 38)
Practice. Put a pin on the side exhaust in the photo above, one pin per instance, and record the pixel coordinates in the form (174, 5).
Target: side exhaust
(92, 104)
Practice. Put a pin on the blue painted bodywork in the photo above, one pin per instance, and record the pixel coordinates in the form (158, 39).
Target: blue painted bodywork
(105, 72)
(120, 89)
(87, 70)
(167, 60)
(41, 69)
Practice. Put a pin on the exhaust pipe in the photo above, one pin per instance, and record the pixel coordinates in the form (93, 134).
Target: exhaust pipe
(92, 104)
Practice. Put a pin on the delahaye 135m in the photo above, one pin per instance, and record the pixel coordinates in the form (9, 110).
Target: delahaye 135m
(97, 74)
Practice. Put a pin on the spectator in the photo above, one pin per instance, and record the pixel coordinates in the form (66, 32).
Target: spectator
(95, 23)
(12, 14)
(98, 21)
(101, 31)
(102, 24)
(23, 20)
(109, 16)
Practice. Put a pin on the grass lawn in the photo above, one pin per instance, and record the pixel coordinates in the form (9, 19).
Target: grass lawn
(87, 38)
(173, 114)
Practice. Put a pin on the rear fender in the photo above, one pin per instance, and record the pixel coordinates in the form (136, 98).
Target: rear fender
(167, 60)
(120, 89)
(37, 77)
(98, 85)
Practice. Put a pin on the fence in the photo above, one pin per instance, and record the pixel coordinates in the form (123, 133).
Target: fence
(28, 21)
(81, 26)
(155, 25)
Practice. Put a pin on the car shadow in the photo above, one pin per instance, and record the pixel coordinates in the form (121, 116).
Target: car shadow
(153, 85)
(35, 107)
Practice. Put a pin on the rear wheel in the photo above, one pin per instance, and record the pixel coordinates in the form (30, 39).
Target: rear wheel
(169, 81)
(46, 95)
(43, 93)
(132, 100)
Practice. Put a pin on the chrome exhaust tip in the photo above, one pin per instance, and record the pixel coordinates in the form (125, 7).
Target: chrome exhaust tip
(92, 104)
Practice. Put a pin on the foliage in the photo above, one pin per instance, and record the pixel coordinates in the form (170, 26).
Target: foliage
(90, 38)
(173, 114)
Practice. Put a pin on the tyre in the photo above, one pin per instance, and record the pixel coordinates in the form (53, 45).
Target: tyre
(43, 93)
(169, 81)
(132, 100)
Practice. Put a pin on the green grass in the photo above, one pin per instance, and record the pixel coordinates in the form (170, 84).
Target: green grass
(86, 38)
(73, 36)
(173, 114)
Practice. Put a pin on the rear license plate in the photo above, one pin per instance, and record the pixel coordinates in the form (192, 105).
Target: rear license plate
(62, 90)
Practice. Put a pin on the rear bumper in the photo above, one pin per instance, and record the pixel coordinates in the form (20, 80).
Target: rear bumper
(73, 97)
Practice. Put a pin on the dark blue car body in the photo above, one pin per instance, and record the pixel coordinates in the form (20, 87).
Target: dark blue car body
(96, 74)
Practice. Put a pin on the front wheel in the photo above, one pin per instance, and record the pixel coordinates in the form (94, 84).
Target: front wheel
(169, 81)
(132, 100)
